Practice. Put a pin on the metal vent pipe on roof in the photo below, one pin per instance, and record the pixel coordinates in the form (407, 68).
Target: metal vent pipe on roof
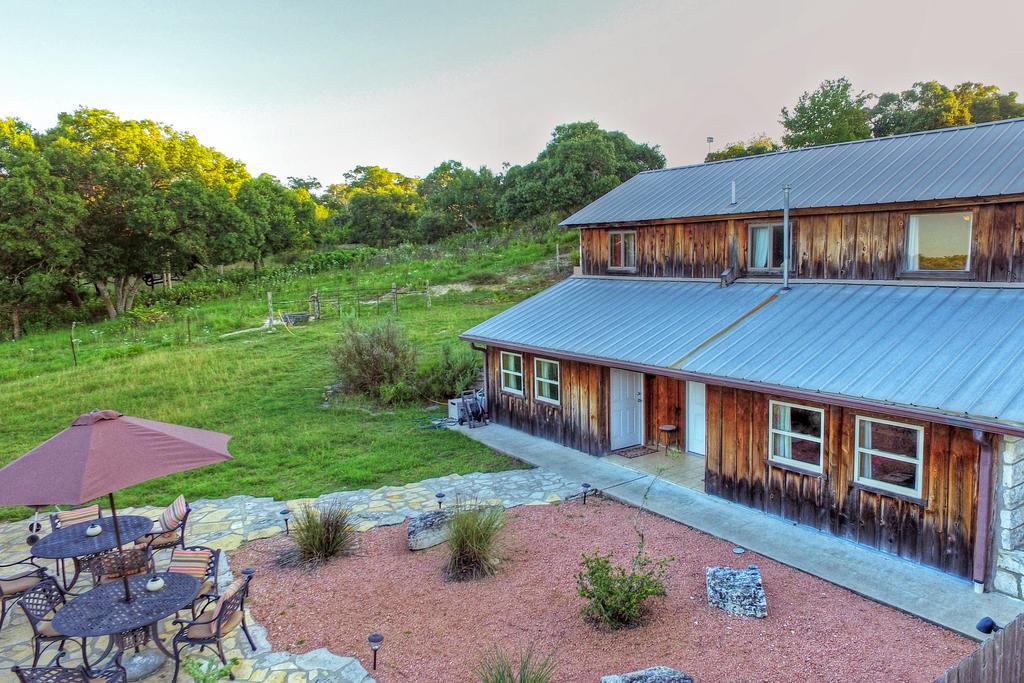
(732, 196)
(786, 239)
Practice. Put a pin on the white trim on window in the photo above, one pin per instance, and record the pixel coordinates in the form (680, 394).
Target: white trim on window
(763, 252)
(774, 429)
(627, 265)
(918, 462)
(555, 384)
(510, 374)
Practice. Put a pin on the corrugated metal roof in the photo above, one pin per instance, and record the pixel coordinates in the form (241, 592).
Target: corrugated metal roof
(970, 161)
(953, 349)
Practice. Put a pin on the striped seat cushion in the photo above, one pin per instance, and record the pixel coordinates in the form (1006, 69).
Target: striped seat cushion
(69, 517)
(174, 515)
(191, 562)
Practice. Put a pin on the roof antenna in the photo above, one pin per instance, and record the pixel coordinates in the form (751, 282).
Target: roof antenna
(732, 200)
(786, 238)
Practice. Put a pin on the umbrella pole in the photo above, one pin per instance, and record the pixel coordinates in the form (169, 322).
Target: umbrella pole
(117, 537)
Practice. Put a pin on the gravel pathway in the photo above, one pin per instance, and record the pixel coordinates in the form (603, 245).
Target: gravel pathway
(436, 631)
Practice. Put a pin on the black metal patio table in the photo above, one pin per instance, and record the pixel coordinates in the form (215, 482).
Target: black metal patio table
(103, 611)
(73, 542)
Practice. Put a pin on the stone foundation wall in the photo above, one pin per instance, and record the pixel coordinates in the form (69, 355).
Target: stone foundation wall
(1009, 540)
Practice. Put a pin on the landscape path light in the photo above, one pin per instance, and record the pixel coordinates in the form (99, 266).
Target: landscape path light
(286, 514)
(376, 640)
(440, 499)
(586, 489)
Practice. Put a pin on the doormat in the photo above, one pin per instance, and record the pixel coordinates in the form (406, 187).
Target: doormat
(634, 451)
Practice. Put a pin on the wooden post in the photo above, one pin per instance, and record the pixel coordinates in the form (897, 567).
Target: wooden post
(315, 303)
(188, 327)
(394, 297)
(427, 290)
(270, 310)
(558, 259)
(74, 354)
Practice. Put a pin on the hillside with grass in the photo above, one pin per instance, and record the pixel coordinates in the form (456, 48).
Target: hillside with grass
(169, 361)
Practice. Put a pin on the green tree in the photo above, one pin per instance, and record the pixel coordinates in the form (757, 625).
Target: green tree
(456, 197)
(580, 163)
(381, 206)
(832, 113)
(275, 218)
(759, 144)
(38, 215)
(928, 105)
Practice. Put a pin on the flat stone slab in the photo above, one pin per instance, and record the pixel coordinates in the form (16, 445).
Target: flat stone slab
(428, 529)
(739, 591)
(654, 674)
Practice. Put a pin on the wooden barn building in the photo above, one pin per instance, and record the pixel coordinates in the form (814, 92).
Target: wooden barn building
(879, 397)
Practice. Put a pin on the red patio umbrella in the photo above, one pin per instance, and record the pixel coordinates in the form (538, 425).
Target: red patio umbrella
(103, 452)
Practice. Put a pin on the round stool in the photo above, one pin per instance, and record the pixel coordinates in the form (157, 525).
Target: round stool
(669, 431)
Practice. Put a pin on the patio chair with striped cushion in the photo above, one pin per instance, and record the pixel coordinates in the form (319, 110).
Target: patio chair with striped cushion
(65, 518)
(203, 563)
(169, 530)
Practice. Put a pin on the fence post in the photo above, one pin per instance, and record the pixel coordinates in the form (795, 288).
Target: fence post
(428, 294)
(270, 310)
(394, 297)
(558, 259)
(188, 327)
(314, 301)
(74, 353)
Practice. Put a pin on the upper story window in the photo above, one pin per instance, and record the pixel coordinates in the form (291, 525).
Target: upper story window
(939, 241)
(887, 455)
(512, 373)
(795, 435)
(766, 247)
(622, 250)
(547, 381)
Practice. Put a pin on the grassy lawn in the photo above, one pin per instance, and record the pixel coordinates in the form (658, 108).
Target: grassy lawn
(264, 389)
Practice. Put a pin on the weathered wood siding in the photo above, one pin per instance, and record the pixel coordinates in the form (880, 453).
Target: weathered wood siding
(999, 659)
(866, 245)
(937, 530)
(664, 404)
(580, 422)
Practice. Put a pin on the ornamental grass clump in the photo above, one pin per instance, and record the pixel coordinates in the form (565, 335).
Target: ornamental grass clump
(473, 532)
(497, 666)
(319, 533)
(614, 595)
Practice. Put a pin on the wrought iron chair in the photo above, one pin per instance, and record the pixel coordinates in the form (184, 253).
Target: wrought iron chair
(210, 627)
(116, 564)
(169, 530)
(19, 577)
(111, 672)
(40, 603)
(204, 564)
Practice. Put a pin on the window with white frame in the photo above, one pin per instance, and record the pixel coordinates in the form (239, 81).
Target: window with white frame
(767, 246)
(512, 373)
(887, 455)
(547, 381)
(622, 250)
(939, 241)
(795, 435)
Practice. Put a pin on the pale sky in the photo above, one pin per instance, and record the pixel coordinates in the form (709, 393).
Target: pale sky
(315, 88)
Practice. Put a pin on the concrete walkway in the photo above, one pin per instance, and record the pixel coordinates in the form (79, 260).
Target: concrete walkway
(929, 594)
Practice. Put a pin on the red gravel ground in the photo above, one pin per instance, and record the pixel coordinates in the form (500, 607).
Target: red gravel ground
(437, 631)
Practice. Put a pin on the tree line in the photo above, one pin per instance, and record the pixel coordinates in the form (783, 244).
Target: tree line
(837, 112)
(96, 205)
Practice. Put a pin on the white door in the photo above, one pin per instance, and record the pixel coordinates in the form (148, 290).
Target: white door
(695, 418)
(627, 406)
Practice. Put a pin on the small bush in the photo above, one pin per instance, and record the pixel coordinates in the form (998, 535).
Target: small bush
(484, 277)
(377, 361)
(472, 541)
(498, 667)
(454, 372)
(319, 534)
(208, 670)
(615, 596)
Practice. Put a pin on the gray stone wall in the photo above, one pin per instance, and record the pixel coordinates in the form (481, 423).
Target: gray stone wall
(1009, 541)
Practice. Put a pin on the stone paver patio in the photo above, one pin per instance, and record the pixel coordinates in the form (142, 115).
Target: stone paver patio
(228, 523)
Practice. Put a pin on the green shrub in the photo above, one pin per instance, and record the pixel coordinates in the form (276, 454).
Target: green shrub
(320, 533)
(484, 277)
(472, 541)
(454, 372)
(498, 667)
(379, 361)
(614, 595)
(209, 670)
